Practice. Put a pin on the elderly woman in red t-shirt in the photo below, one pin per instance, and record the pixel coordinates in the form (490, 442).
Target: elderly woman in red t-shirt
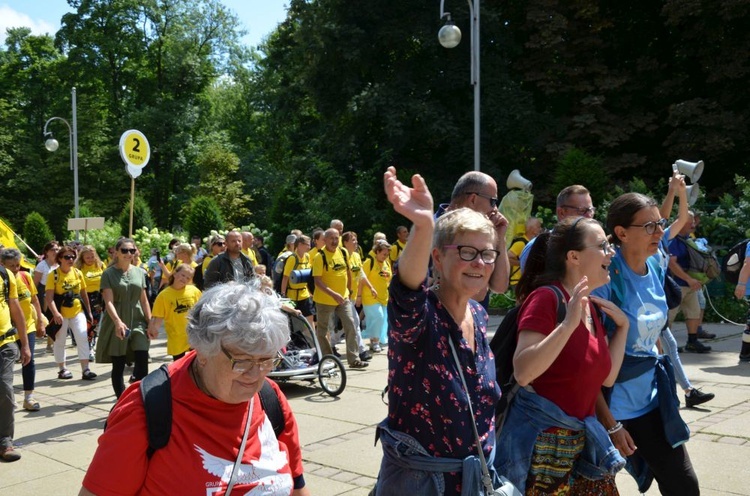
(562, 365)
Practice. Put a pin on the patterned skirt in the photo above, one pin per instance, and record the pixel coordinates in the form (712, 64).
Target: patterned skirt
(555, 453)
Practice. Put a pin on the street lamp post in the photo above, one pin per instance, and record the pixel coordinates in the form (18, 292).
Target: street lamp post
(449, 37)
(52, 145)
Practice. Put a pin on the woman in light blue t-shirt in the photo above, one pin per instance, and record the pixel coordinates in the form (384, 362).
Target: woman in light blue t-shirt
(643, 415)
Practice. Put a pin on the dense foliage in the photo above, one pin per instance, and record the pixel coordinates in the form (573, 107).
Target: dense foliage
(300, 131)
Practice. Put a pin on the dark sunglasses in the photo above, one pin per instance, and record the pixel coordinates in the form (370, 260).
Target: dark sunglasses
(69, 257)
(125, 251)
(219, 243)
(491, 199)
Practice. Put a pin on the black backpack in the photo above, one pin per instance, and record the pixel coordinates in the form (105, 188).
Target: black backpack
(733, 262)
(156, 392)
(6, 284)
(503, 346)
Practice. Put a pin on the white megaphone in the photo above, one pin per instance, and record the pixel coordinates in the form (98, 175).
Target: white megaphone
(517, 181)
(693, 191)
(691, 170)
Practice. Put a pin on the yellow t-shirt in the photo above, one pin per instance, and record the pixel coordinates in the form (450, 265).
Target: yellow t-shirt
(74, 282)
(206, 260)
(93, 276)
(26, 291)
(379, 274)
(5, 321)
(396, 249)
(297, 292)
(335, 275)
(173, 305)
(515, 270)
(251, 255)
(355, 265)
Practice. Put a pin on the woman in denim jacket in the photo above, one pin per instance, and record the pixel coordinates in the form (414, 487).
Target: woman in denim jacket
(551, 442)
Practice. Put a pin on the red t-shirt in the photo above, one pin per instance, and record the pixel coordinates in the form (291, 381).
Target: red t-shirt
(202, 449)
(574, 379)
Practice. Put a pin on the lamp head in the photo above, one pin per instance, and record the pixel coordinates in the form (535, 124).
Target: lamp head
(51, 145)
(449, 35)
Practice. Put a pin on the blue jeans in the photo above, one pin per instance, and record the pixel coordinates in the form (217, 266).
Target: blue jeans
(8, 355)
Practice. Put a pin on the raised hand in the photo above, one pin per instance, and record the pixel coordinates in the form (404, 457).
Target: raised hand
(414, 203)
(578, 301)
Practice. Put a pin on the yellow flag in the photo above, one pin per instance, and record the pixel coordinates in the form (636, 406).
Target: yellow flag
(8, 240)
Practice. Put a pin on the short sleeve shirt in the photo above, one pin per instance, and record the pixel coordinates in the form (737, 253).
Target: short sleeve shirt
(72, 282)
(5, 320)
(334, 273)
(173, 306)
(299, 291)
(426, 397)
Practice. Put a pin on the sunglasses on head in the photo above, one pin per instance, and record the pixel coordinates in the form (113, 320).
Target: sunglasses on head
(125, 251)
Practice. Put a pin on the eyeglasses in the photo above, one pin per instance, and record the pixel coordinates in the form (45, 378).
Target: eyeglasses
(125, 251)
(469, 253)
(242, 366)
(491, 199)
(605, 246)
(69, 257)
(650, 227)
(581, 211)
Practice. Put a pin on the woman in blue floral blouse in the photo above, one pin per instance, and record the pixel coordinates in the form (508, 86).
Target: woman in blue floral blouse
(429, 446)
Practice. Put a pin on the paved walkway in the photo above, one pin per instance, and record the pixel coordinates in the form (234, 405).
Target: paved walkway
(337, 434)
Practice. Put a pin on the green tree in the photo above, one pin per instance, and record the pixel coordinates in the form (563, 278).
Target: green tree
(36, 231)
(204, 215)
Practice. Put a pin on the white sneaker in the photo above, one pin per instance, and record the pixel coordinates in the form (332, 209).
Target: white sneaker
(375, 348)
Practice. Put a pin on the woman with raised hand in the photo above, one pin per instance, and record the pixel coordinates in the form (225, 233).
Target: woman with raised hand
(428, 407)
(643, 416)
(123, 333)
(69, 305)
(551, 442)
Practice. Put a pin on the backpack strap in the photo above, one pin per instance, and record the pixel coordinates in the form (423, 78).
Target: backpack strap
(156, 392)
(269, 400)
(6, 283)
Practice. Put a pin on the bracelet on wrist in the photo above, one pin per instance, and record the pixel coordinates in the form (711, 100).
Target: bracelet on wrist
(741, 284)
(614, 428)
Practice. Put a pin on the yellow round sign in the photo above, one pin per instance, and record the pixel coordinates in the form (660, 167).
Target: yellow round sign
(135, 150)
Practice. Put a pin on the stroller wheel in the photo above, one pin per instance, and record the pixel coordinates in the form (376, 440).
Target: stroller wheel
(332, 375)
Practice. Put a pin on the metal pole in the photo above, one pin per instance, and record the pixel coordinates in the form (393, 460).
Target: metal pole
(74, 161)
(474, 11)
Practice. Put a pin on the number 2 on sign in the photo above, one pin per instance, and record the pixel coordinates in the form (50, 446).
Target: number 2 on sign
(137, 147)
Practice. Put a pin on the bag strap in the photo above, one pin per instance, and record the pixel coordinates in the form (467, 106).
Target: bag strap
(486, 479)
(156, 392)
(238, 461)
(6, 283)
(270, 403)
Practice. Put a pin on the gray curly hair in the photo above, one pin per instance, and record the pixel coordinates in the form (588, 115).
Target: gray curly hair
(238, 316)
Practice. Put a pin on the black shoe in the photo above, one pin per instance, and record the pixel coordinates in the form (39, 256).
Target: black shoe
(680, 349)
(744, 358)
(705, 335)
(336, 352)
(697, 397)
(697, 347)
(365, 356)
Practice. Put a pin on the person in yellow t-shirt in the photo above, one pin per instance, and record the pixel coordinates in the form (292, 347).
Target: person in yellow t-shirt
(402, 234)
(183, 254)
(248, 240)
(532, 229)
(32, 312)
(171, 308)
(351, 244)
(332, 282)
(377, 269)
(91, 267)
(318, 242)
(10, 312)
(67, 298)
(299, 292)
(217, 245)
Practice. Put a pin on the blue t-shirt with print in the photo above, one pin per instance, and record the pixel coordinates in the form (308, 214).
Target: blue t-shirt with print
(641, 298)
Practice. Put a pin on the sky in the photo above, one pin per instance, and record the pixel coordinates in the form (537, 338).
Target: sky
(259, 17)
